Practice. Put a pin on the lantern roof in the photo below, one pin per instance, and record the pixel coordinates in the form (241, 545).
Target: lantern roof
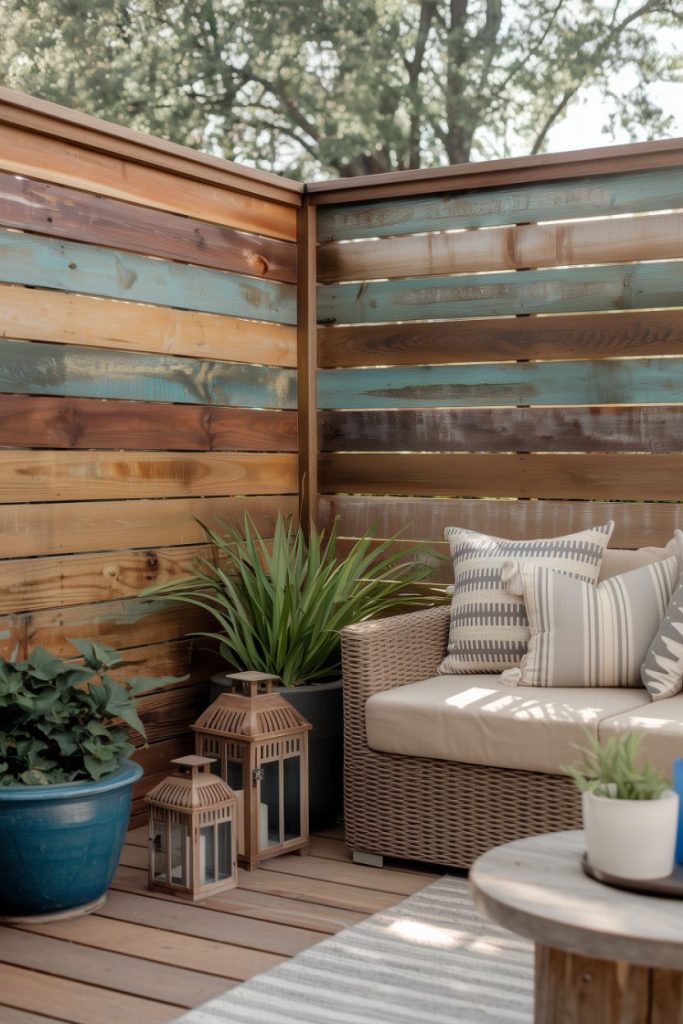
(191, 787)
(235, 716)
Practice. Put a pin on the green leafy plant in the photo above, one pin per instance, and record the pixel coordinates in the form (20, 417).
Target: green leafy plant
(610, 769)
(61, 721)
(281, 603)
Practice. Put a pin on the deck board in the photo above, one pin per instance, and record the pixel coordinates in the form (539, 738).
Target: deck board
(145, 957)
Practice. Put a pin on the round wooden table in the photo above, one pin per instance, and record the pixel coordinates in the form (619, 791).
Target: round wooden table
(603, 956)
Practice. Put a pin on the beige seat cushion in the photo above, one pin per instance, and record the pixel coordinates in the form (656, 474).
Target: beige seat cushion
(661, 724)
(476, 720)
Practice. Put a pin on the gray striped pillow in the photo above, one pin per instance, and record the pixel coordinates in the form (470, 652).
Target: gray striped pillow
(582, 635)
(489, 626)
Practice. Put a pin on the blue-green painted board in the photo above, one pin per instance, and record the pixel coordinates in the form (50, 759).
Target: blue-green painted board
(635, 192)
(581, 382)
(69, 266)
(38, 368)
(574, 290)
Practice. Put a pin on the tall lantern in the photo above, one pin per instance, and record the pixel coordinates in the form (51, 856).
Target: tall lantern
(192, 831)
(261, 745)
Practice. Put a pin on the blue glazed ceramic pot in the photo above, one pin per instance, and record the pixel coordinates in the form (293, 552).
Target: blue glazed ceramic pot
(60, 845)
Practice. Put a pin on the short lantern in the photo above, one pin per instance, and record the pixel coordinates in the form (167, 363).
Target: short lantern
(192, 831)
(261, 744)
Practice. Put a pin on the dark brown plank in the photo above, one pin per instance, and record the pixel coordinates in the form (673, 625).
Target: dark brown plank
(44, 422)
(637, 523)
(170, 713)
(619, 476)
(645, 428)
(592, 335)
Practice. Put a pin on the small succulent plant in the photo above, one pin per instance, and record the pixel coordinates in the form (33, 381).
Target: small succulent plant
(611, 769)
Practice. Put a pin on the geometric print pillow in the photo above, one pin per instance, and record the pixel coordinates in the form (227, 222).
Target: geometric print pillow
(583, 635)
(662, 669)
(489, 627)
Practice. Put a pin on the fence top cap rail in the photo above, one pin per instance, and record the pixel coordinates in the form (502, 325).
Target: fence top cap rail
(481, 174)
(13, 104)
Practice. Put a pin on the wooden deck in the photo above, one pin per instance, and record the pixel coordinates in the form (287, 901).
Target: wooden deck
(146, 958)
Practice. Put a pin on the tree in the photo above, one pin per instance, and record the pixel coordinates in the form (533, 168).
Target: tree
(344, 87)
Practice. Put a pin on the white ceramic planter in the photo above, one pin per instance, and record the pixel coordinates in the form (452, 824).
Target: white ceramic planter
(631, 838)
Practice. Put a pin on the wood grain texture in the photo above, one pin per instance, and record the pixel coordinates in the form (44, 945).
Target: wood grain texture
(35, 314)
(644, 428)
(579, 335)
(627, 381)
(307, 364)
(612, 240)
(66, 163)
(604, 476)
(171, 713)
(46, 475)
(83, 217)
(576, 290)
(39, 368)
(34, 583)
(45, 422)
(55, 529)
(555, 200)
(69, 266)
(573, 989)
(637, 524)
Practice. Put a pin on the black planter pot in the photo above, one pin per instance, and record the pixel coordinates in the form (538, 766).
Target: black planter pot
(321, 705)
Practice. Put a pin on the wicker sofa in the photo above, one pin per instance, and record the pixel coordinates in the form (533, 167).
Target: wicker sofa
(439, 810)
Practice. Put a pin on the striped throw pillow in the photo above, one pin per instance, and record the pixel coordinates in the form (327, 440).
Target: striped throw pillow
(489, 626)
(582, 635)
(662, 669)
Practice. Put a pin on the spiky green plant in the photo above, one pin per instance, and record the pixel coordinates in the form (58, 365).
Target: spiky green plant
(280, 604)
(610, 769)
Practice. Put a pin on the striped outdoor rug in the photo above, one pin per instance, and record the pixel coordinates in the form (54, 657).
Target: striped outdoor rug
(432, 959)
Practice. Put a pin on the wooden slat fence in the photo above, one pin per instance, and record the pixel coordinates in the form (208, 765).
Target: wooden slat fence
(506, 358)
(148, 353)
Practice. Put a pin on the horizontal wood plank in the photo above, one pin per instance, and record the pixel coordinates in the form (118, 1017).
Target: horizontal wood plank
(637, 524)
(47, 209)
(12, 1015)
(45, 475)
(556, 200)
(328, 894)
(575, 290)
(69, 266)
(170, 713)
(626, 381)
(24, 152)
(632, 428)
(37, 421)
(35, 314)
(612, 240)
(603, 476)
(36, 368)
(54, 529)
(578, 335)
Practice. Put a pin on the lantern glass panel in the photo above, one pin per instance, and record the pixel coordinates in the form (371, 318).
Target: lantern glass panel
(292, 780)
(207, 857)
(159, 850)
(224, 850)
(178, 854)
(234, 775)
(269, 817)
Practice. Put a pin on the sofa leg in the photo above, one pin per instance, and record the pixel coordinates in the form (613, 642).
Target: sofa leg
(370, 860)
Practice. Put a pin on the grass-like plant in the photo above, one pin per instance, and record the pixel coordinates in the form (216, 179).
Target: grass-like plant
(279, 604)
(64, 722)
(610, 769)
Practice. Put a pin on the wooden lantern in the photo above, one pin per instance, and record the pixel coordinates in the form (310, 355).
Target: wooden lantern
(261, 744)
(192, 831)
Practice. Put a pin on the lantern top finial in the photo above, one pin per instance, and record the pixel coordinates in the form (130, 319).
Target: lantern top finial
(194, 762)
(252, 683)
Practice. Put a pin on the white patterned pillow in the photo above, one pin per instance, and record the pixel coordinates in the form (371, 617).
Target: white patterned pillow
(662, 669)
(489, 626)
(582, 635)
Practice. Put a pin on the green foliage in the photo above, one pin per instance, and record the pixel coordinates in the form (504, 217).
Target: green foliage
(346, 87)
(610, 769)
(280, 604)
(63, 722)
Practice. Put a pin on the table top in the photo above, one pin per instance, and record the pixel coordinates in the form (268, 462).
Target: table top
(537, 888)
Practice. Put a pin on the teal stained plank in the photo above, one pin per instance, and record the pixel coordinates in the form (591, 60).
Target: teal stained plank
(635, 192)
(618, 382)
(574, 290)
(38, 368)
(69, 266)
